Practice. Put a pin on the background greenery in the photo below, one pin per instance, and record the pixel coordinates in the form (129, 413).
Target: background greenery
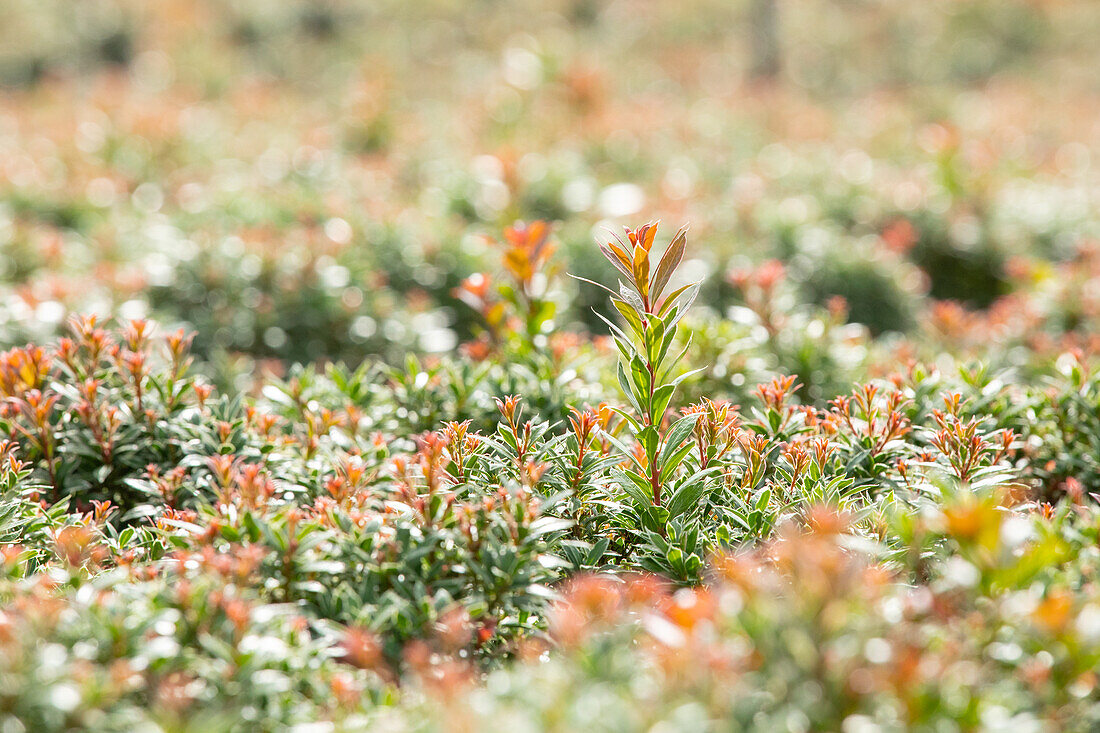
(374, 462)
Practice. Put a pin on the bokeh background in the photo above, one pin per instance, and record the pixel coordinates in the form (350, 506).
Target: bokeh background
(310, 181)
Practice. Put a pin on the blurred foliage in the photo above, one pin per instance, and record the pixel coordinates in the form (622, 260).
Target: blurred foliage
(826, 461)
(291, 184)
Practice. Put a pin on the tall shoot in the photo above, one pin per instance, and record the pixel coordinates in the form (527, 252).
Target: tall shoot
(645, 367)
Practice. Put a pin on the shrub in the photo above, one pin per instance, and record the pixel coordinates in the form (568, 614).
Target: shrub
(809, 632)
(346, 543)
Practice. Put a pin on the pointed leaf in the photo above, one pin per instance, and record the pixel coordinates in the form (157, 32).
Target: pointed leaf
(671, 259)
(674, 460)
(680, 431)
(622, 266)
(628, 417)
(682, 308)
(671, 299)
(689, 493)
(661, 397)
(627, 294)
(640, 269)
(649, 439)
(627, 388)
(634, 485)
(623, 449)
(630, 315)
(592, 282)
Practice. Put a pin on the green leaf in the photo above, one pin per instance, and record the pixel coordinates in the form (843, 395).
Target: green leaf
(671, 299)
(641, 378)
(546, 525)
(625, 348)
(622, 448)
(663, 376)
(597, 552)
(676, 382)
(670, 463)
(634, 485)
(614, 328)
(680, 430)
(668, 336)
(592, 282)
(661, 397)
(686, 497)
(630, 315)
(628, 417)
(650, 439)
(658, 542)
(683, 308)
(652, 339)
(186, 526)
(627, 388)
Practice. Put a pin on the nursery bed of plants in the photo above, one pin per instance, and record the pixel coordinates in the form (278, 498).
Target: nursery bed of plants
(338, 395)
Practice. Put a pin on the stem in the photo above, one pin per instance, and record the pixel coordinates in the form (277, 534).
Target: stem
(654, 481)
(575, 483)
(654, 478)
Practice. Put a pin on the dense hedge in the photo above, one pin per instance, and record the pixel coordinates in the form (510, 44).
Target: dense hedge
(543, 531)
